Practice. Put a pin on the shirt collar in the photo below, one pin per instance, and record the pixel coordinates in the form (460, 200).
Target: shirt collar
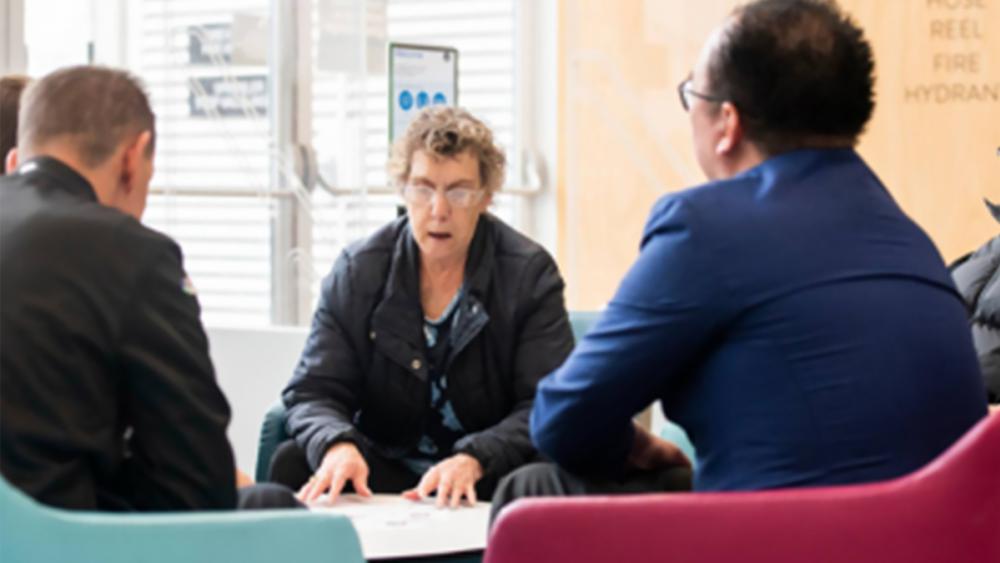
(67, 178)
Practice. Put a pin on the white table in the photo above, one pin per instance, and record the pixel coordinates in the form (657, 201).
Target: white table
(390, 526)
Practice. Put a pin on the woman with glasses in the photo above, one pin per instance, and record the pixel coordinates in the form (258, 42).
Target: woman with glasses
(429, 337)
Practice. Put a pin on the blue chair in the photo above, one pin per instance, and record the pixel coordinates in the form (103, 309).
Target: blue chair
(31, 532)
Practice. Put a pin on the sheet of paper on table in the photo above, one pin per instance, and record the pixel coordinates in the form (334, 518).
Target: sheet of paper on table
(390, 526)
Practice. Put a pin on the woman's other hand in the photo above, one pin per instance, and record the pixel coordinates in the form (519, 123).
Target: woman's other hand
(452, 478)
(342, 463)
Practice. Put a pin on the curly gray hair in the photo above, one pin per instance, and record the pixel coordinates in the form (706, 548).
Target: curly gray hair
(448, 131)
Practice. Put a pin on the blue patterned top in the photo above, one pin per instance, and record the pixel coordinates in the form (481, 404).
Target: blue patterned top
(441, 427)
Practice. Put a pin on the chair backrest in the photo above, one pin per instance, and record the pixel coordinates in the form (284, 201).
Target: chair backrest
(272, 433)
(16, 508)
(947, 511)
(582, 321)
(32, 532)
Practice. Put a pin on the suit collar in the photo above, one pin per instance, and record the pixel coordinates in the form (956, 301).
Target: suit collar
(793, 163)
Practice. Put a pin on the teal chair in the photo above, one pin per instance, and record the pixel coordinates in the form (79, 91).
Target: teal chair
(676, 435)
(272, 434)
(31, 532)
(582, 321)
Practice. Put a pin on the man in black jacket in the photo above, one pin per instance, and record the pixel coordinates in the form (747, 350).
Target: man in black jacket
(108, 399)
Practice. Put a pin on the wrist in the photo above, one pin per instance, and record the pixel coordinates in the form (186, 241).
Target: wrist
(474, 463)
(341, 446)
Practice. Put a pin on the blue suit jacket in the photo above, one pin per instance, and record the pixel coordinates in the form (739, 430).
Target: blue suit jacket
(792, 319)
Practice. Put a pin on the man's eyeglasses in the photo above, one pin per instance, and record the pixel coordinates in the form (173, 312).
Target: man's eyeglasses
(420, 196)
(685, 92)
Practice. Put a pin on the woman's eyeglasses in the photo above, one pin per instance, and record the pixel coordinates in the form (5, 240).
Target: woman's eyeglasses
(459, 197)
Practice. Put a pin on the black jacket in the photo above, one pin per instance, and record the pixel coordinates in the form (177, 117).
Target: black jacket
(363, 375)
(977, 277)
(107, 395)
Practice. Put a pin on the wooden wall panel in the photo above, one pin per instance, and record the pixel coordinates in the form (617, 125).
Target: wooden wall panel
(624, 140)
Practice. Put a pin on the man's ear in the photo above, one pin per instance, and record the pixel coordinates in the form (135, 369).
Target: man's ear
(131, 157)
(10, 160)
(732, 129)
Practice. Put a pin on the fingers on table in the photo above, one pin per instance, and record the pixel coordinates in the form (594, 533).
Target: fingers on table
(360, 482)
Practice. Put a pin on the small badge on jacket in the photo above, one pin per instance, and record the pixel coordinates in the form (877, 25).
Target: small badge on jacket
(187, 286)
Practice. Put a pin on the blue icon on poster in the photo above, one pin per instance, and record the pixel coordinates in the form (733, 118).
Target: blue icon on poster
(440, 99)
(422, 99)
(405, 100)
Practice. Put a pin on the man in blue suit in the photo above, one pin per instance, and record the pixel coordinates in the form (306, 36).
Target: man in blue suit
(787, 313)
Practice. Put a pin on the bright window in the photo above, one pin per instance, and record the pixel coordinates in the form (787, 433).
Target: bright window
(257, 242)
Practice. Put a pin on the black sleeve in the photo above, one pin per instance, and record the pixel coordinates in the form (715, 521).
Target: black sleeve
(325, 390)
(178, 413)
(989, 362)
(544, 340)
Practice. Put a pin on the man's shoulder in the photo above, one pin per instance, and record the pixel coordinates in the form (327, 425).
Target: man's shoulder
(126, 237)
(707, 205)
(977, 276)
(89, 227)
(141, 238)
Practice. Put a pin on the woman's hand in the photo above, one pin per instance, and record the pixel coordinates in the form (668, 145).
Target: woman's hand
(452, 478)
(342, 463)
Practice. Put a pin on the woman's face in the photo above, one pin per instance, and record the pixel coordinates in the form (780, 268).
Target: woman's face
(444, 199)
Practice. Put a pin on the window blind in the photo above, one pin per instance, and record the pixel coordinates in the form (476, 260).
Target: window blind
(483, 31)
(212, 177)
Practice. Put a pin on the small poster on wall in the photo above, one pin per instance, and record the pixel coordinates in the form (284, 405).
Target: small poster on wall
(419, 76)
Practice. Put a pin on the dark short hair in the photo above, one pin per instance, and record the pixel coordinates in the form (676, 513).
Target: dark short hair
(11, 87)
(97, 107)
(797, 70)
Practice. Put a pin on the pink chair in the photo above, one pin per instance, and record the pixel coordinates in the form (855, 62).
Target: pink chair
(949, 511)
